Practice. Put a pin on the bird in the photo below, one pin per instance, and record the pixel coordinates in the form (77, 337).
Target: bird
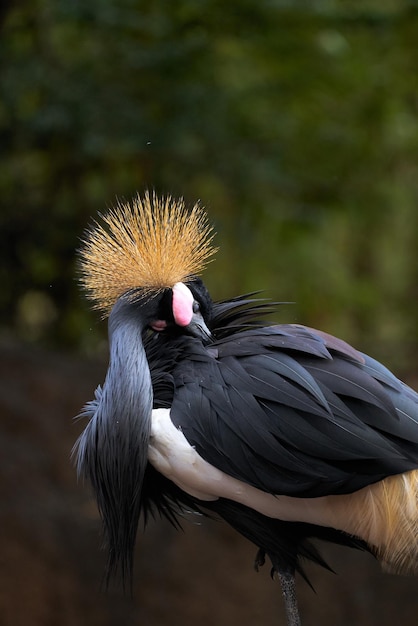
(286, 433)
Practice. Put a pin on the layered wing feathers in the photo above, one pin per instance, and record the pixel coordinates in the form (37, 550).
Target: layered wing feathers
(294, 411)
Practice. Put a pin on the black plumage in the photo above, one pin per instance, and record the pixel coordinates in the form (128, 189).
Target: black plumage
(315, 417)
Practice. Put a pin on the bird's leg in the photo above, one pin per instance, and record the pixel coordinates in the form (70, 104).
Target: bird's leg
(287, 581)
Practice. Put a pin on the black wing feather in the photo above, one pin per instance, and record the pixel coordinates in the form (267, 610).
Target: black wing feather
(293, 411)
(339, 436)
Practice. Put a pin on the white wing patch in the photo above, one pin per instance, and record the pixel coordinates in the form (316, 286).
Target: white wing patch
(172, 455)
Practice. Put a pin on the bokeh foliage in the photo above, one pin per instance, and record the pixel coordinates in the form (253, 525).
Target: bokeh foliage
(295, 123)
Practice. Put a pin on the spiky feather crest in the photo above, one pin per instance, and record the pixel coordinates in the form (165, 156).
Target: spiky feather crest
(147, 245)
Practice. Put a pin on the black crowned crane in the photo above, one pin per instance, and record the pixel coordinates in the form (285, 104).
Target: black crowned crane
(285, 432)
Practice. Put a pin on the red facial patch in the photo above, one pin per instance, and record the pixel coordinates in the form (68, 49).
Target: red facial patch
(182, 304)
(159, 325)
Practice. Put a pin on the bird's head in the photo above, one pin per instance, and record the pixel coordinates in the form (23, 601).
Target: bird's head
(184, 308)
(147, 255)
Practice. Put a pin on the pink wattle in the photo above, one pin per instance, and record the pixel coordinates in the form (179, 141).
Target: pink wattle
(182, 304)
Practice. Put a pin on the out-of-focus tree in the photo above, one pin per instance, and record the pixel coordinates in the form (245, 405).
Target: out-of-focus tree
(295, 123)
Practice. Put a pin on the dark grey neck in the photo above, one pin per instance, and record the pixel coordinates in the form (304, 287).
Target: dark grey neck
(128, 388)
(114, 446)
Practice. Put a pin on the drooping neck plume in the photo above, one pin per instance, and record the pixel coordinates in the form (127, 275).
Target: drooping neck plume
(112, 451)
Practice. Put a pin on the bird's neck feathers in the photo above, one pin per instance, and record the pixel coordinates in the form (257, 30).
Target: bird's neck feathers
(112, 451)
(128, 378)
(144, 246)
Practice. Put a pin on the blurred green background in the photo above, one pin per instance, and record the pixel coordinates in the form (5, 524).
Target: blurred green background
(295, 124)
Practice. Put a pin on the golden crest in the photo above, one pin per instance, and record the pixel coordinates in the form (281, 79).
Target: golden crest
(149, 244)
